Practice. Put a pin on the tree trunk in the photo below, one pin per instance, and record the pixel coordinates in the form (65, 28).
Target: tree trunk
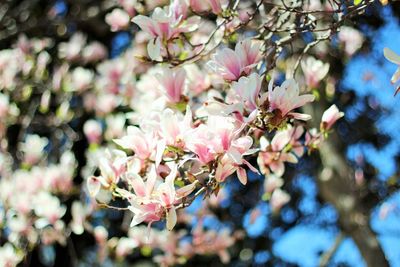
(337, 186)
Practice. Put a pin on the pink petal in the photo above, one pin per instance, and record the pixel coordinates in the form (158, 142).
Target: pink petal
(242, 175)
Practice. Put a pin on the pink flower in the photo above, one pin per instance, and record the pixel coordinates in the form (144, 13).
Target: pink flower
(313, 139)
(10, 257)
(199, 81)
(172, 83)
(94, 51)
(246, 91)
(125, 246)
(71, 50)
(215, 6)
(81, 79)
(199, 142)
(33, 148)
(118, 19)
(79, 213)
(233, 160)
(227, 64)
(111, 168)
(314, 71)
(93, 131)
(48, 207)
(352, 39)
(330, 116)
(272, 155)
(278, 199)
(143, 144)
(4, 105)
(198, 5)
(211, 241)
(286, 98)
(249, 52)
(128, 6)
(151, 203)
(272, 182)
(231, 64)
(174, 128)
(164, 25)
(215, 137)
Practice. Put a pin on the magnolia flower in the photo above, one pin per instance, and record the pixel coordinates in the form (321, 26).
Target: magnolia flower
(216, 137)
(394, 58)
(115, 126)
(174, 128)
(231, 64)
(100, 234)
(118, 19)
(314, 71)
(233, 160)
(93, 131)
(172, 83)
(272, 182)
(94, 51)
(9, 257)
(79, 214)
(72, 49)
(49, 208)
(150, 202)
(215, 6)
(211, 241)
(313, 139)
(81, 79)
(352, 39)
(142, 143)
(330, 116)
(272, 155)
(4, 105)
(198, 79)
(164, 25)
(278, 199)
(285, 98)
(33, 148)
(125, 246)
(111, 169)
(198, 6)
(246, 91)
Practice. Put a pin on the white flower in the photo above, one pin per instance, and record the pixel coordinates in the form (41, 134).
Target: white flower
(33, 147)
(330, 116)
(9, 257)
(394, 58)
(278, 199)
(81, 79)
(314, 71)
(118, 19)
(351, 38)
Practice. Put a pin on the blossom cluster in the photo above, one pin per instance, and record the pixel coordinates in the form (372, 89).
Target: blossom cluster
(191, 135)
(191, 105)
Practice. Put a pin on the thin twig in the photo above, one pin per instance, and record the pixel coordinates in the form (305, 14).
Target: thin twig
(327, 256)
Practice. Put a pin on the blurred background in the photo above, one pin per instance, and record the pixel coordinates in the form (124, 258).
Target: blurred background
(366, 145)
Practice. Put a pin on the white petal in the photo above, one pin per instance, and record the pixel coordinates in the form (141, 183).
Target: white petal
(93, 184)
(391, 56)
(171, 218)
(242, 175)
(154, 49)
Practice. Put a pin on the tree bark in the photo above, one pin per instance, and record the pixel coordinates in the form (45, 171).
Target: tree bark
(337, 186)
